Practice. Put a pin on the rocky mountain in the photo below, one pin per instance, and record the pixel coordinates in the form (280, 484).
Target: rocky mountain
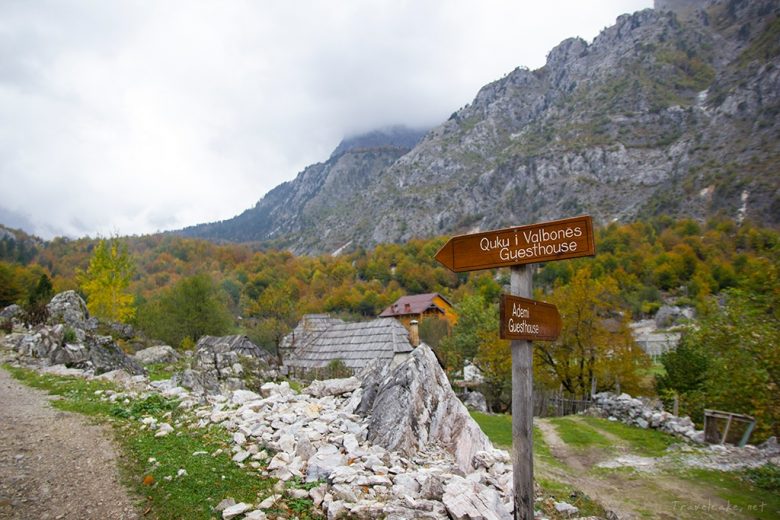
(672, 110)
(298, 207)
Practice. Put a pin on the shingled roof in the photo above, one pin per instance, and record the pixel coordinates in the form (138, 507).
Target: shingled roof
(414, 304)
(310, 326)
(355, 344)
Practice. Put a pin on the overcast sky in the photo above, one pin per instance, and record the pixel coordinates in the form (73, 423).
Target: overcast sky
(132, 117)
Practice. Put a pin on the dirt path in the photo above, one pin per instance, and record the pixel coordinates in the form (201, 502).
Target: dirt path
(53, 464)
(628, 494)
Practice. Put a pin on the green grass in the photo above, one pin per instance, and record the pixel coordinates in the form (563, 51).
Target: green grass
(210, 477)
(765, 477)
(160, 371)
(742, 495)
(579, 435)
(561, 492)
(498, 428)
(649, 443)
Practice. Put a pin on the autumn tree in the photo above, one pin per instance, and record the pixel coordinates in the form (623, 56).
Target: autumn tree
(106, 281)
(595, 342)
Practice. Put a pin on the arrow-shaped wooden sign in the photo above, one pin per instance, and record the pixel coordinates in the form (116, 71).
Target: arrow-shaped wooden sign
(526, 319)
(544, 242)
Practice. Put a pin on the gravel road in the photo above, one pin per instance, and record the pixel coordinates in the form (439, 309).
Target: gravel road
(54, 464)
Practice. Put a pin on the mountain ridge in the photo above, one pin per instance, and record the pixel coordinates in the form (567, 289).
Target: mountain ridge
(660, 114)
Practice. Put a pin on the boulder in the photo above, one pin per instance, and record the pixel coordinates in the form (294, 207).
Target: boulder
(105, 356)
(198, 382)
(40, 342)
(332, 387)
(70, 355)
(324, 462)
(467, 500)
(158, 354)
(475, 401)
(415, 407)
(69, 308)
(11, 312)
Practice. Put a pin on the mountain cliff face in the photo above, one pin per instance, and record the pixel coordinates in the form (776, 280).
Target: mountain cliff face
(660, 114)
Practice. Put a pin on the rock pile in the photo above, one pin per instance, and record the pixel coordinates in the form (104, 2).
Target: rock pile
(218, 365)
(636, 412)
(317, 436)
(68, 340)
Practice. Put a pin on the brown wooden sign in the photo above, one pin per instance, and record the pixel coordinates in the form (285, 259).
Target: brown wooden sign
(544, 242)
(526, 319)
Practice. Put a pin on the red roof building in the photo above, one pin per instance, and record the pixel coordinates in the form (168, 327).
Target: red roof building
(419, 307)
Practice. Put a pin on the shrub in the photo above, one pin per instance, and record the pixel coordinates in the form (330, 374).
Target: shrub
(69, 336)
(6, 326)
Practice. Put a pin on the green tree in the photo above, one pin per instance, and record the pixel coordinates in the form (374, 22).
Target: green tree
(10, 291)
(106, 281)
(476, 320)
(35, 307)
(740, 341)
(191, 308)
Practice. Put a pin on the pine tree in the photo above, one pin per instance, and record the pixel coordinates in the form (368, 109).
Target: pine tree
(106, 280)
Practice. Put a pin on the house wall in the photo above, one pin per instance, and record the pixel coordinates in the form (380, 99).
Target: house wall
(449, 312)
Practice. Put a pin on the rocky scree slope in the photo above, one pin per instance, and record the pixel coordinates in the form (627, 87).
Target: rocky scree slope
(660, 114)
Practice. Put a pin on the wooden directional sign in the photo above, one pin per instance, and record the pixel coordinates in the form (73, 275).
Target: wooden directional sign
(544, 242)
(526, 319)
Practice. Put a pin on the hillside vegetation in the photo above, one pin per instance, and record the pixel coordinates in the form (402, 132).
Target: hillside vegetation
(181, 289)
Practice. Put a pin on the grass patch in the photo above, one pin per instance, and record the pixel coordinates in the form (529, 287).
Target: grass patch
(151, 465)
(161, 371)
(765, 477)
(650, 443)
(579, 435)
(741, 495)
(209, 479)
(560, 492)
(498, 428)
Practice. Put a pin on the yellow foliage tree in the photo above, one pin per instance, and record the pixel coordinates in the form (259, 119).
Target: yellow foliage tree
(106, 280)
(595, 342)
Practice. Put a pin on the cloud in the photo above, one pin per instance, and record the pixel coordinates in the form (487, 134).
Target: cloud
(141, 116)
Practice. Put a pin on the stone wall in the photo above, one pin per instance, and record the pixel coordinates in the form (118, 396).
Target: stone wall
(641, 413)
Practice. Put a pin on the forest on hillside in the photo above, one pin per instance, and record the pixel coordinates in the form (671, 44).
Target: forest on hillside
(177, 289)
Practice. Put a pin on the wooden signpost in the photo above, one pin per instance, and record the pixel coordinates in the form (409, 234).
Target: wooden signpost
(522, 319)
(545, 242)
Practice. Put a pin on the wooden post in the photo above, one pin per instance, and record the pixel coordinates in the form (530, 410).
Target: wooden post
(522, 406)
